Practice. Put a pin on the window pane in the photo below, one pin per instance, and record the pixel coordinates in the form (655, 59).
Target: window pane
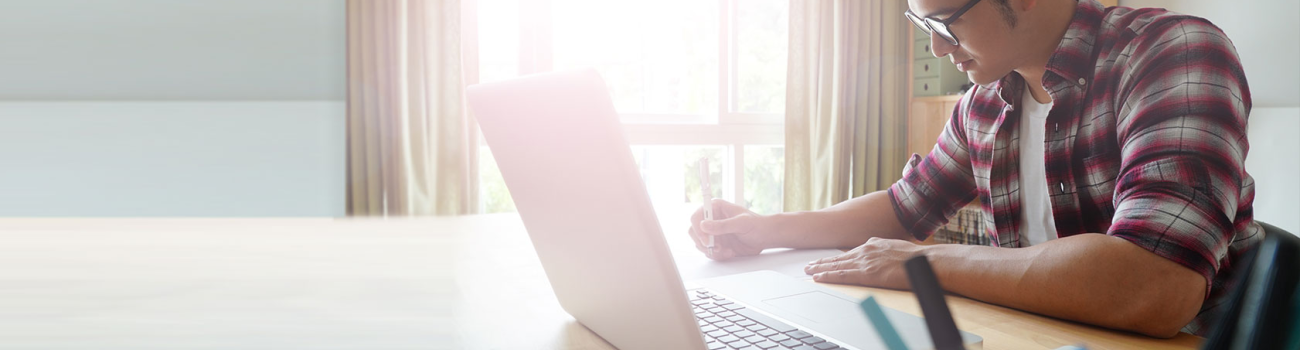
(761, 41)
(493, 195)
(498, 44)
(657, 56)
(671, 175)
(764, 178)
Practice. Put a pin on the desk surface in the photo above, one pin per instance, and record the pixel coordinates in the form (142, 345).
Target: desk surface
(468, 282)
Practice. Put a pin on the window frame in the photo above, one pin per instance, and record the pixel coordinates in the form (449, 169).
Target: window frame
(727, 128)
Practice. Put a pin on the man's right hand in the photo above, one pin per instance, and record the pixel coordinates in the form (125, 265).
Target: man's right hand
(736, 231)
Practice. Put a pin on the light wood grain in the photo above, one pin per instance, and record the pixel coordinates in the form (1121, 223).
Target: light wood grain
(927, 118)
(469, 282)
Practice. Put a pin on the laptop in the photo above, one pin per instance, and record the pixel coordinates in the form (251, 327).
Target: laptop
(561, 149)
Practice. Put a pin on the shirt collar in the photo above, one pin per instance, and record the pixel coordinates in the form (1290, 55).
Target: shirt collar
(1072, 62)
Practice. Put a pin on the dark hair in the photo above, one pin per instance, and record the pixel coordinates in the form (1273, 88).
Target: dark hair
(1004, 7)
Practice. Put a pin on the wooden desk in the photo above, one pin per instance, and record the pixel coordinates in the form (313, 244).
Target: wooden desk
(440, 283)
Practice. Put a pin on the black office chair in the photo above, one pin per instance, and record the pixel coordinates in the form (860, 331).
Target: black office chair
(1264, 310)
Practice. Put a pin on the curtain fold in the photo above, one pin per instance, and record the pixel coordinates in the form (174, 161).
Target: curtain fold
(411, 148)
(845, 100)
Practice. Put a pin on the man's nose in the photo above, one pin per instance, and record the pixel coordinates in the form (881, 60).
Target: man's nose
(940, 46)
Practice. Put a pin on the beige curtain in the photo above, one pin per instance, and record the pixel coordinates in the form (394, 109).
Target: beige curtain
(410, 145)
(845, 100)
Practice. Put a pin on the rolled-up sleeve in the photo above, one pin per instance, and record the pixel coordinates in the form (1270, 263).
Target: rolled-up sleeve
(1182, 135)
(935, 186)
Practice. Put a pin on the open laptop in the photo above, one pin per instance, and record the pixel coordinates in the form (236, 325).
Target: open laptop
(560, 147)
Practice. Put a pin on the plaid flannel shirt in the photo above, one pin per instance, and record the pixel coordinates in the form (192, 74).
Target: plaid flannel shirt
(1146, 142)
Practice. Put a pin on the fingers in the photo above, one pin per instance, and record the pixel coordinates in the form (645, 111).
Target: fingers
(700, 244)
(845, 256)
(854, 276)
(815, 268)
(740, 224)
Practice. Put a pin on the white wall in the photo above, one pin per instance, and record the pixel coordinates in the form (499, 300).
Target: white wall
(172, 50)
(172, 108)
(1274, 162)
(125, 158)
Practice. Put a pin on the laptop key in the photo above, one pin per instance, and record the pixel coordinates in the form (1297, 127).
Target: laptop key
(726, 314)
(733, 307)
(766, 332)
(717, 334)
(804, 347)
(794, 344)
(812, 340)
(728, 339)
(766, 345)
(778, 337)
(732, 329)
(744, 322)
(709, 328)
(755, 327)
(717, 346)
(755, 339)
(744, 334)
(738, 344)
(714, 319)
(798, 334)
(724, 324)
(826, 346)
(766, 321)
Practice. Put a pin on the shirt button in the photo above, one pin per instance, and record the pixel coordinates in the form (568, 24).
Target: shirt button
(1062, 187)
(1083, 81)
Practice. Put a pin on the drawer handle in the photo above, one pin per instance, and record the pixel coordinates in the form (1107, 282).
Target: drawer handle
(925, 86)
(927, 47)
(927, 67)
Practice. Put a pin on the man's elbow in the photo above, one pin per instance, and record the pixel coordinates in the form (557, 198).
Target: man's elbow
(1164, 309)
(1162, 327)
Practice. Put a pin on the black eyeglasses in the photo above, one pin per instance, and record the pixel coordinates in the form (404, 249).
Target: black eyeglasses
(931, 25)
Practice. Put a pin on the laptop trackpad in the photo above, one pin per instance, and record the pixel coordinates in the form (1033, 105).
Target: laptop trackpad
(818, 307)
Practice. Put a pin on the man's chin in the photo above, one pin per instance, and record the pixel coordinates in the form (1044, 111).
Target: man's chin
(982, 79)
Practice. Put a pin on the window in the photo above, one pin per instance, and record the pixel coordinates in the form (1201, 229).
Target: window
(690, 79)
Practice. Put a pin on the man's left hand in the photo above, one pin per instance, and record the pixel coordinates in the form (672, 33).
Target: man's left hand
(877, 263)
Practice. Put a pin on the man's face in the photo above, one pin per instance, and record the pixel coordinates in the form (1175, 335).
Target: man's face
(987, 50)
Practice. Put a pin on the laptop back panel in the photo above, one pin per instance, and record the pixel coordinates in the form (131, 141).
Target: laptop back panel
(560, 147)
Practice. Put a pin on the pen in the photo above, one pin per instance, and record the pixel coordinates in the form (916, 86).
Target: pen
(706, 194)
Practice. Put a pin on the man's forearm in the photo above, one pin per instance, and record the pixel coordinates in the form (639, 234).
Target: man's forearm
(1090, 278)
(847, 224)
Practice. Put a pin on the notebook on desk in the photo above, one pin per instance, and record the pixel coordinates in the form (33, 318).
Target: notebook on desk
(562, 152)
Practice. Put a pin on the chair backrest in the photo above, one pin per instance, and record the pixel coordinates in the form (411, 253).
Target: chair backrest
(1264, 310)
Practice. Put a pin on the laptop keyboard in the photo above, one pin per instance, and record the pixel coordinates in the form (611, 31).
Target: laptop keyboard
(727, 325)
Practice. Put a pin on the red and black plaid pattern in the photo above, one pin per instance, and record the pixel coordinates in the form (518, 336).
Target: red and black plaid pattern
(1146, 142)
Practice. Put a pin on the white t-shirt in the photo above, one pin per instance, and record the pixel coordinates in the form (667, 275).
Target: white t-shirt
(1036, 222)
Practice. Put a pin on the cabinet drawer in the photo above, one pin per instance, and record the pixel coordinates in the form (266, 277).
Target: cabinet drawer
(925, 68)
(925, 87)
(921, 49)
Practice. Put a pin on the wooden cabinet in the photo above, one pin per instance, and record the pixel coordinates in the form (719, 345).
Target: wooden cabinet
(925, 121)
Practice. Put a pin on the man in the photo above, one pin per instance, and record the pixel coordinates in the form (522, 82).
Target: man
(1106, 145)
